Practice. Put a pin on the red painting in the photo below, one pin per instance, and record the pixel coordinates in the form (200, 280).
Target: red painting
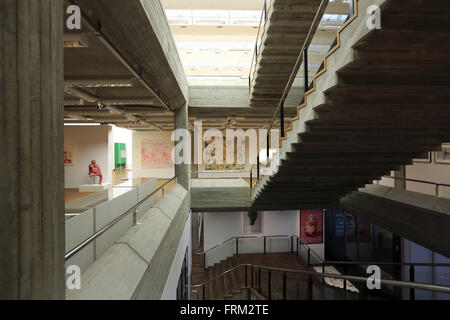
(311, 226)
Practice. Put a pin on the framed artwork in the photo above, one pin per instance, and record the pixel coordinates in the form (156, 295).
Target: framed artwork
(424, 158)
(156, 154)
(252, 217)
(311, 226)
(443, 156)
(68, 161)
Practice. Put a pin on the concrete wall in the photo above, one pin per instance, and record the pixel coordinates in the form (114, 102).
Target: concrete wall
(137, 265)
(138, 171)
(88, 143)
(170, 289)
(219, 194)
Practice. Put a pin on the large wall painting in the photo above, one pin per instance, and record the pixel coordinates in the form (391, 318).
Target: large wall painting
(156, 154)
(239, 153)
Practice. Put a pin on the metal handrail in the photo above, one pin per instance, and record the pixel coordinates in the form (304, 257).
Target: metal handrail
(395, 283)
(419, 181)
(331, 262)
(255, 52)
(243, 237)
(308, 39)
(83, 244)
(417, 264)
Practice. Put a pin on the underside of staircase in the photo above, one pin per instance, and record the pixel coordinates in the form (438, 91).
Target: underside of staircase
(381, 100)
(285, 30)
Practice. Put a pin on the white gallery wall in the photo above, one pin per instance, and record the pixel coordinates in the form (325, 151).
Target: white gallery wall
(220, 226)
(434, 172)
(88, 143)
(137, 168)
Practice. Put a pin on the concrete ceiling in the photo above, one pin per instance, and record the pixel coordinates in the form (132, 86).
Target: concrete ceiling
(99, 88)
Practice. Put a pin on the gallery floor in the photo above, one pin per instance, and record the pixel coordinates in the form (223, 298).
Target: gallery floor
(118, 177)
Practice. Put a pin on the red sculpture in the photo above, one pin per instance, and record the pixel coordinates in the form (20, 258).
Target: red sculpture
(94, 171)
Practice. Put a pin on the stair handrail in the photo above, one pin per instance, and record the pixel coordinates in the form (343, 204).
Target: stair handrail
(395, 283)
(308, 39)
(435, 184)
(97, 234)
(198, 252)
(255, 52)
(417, 264)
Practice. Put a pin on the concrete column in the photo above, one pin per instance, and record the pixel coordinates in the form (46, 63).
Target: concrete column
(31, 144)
(182, 170)
(401, 174)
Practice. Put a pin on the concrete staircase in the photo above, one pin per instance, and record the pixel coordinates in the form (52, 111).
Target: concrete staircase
(381, 100)
(288, 23)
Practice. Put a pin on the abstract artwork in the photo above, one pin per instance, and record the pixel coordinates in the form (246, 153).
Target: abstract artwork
(443, 156)
(156, 154)
(311, 226)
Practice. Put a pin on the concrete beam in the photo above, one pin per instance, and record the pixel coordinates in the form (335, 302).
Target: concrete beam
(421, 218)
(151, 48)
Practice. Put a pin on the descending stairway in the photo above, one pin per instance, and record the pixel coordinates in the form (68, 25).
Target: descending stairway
(381, 100)
(288, 23)
(232, 285)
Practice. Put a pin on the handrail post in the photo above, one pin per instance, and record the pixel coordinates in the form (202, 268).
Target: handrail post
(268, 146)
(251, 179)
(257, 167)
(135, 218)
(282, 119)
(269, 284)
(292, 244)
(246, 276)
(306, 75)
(310, 288)
(298, 240)
(345, 280)
(237, 245)
(204, 260)
(265, 245)
(251, 277)
(259, 280)
(323, 272)
(412, 276)
(284, 286)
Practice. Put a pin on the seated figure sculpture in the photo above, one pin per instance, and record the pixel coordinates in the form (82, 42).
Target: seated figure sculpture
(94, 171)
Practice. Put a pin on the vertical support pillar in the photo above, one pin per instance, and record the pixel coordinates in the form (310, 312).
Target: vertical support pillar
(182, 170)
(32, 143)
